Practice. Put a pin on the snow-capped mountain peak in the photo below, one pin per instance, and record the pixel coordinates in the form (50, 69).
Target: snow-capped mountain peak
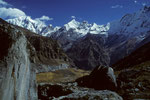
(28, 23)
(99, 29)
(129, 25)
(33, 25)
(84, 27)
(72, 24)
(94, 26)
(37, 26)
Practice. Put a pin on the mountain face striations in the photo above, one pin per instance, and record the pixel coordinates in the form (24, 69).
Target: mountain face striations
(17, 76)
(89, 52)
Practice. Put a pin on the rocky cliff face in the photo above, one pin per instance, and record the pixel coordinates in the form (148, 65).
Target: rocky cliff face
(17, 78)
(49, 55)
(22, 55)
(89, 52)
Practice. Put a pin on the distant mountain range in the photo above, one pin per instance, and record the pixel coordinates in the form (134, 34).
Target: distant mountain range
(36, 26)
(117, 38)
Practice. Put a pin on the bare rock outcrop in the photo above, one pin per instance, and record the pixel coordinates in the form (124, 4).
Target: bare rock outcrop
(49, 56)
(101, 78)
(22, 55)
(17, 78)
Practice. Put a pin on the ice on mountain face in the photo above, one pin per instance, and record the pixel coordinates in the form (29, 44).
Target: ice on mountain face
(72, 24)
(49, 30)
(80, 28)
(94, 26)
(36, 26)
(99, 29)
(28, 23)
(84, 27)
(140, 38)
(131, 25)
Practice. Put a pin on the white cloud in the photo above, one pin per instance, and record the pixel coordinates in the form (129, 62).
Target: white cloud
(117, 6)
(144, 4)
(8, 12)
(73, 17)
(3, 2)
(135, 1)
(24, 7)
(11, 13)
(44, 18)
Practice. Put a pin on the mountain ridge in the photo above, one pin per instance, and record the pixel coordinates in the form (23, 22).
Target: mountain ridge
(121, 37)
(139, 18)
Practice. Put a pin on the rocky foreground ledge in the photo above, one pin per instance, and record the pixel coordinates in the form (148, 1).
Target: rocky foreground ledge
(99, 85)
(71, 91)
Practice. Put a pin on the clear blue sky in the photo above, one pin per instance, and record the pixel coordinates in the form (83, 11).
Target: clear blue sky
(98, 11)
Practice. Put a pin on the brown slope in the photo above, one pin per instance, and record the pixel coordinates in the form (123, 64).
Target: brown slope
(48, 50)
(134, 74)
(139, 56)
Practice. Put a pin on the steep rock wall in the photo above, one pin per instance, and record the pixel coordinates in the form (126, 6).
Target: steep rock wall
(17, 78)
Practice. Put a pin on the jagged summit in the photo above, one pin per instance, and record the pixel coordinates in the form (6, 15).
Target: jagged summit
(135, 25)
(41, 28)
(84, 27)
(129, 25)
(33, 25)
(72, 24)
(28, 23)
